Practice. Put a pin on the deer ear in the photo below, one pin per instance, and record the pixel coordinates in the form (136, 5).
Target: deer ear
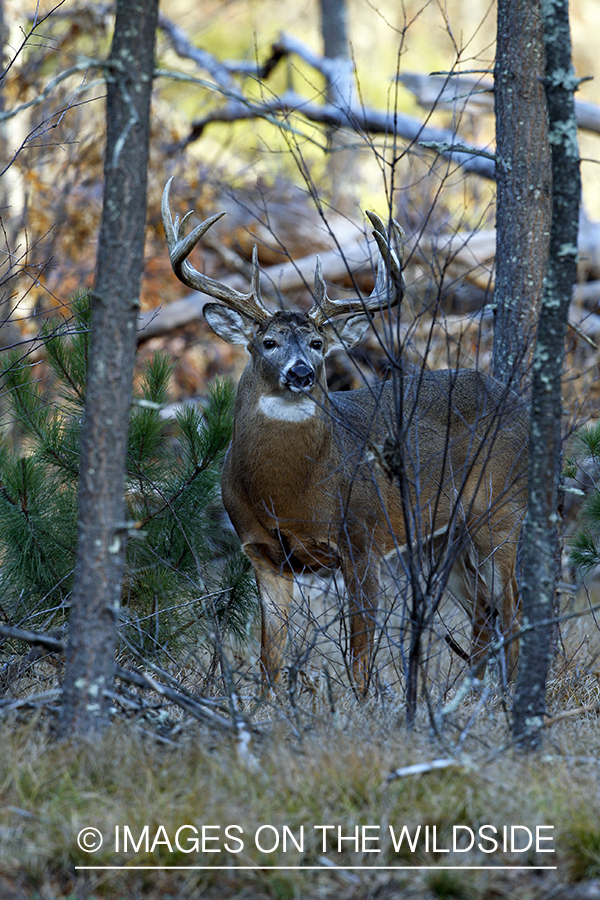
(229, 325)
(348, 333)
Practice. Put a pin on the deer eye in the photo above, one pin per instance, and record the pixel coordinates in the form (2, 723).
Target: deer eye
(268, 344)
(316, 344)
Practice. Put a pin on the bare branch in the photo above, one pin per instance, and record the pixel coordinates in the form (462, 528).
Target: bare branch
(363, 120)
(83, 66)
(475, 96)
(186, 50)
(345, 111)
(191, 705)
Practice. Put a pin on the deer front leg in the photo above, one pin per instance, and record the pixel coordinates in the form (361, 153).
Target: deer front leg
(276, 592)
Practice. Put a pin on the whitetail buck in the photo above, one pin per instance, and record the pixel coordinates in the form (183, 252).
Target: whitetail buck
(302, 483)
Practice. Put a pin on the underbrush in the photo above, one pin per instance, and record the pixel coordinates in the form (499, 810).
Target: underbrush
(328, 799)
(326, 791)
(215, 790)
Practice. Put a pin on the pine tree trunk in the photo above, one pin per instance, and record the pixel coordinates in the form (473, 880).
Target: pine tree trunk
(538, 588)
(115, 303)
(523, 187)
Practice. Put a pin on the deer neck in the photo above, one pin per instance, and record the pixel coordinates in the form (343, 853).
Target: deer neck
(301, 409)
(260, 408)
(280, 432)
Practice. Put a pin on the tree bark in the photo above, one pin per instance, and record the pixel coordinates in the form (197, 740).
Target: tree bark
(538, 587)
(523, 186)
(115, 303)
(334, 28)
(341, 162)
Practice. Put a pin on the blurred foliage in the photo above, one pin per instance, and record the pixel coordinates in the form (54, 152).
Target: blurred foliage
(583, 465)
(57, 176)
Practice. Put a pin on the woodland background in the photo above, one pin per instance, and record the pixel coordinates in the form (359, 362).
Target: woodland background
(192, 742)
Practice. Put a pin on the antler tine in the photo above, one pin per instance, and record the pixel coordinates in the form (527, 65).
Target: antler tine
(388, 258)
(325, 308)
(180, 247)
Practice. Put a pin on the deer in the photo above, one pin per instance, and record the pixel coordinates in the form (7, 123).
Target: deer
(311, 479)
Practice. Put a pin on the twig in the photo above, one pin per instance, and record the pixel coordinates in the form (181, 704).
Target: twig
(420, 768)
(33, 700)
(571, 713)
(34, 637)
(191, 705)
(49, 87)
(186, 50)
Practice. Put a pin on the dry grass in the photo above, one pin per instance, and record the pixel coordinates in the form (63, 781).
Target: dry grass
(317, 758)
(327, 762)
(335, 776)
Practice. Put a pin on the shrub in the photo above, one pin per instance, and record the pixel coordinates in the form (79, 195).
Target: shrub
(184, 568)
(585, 543)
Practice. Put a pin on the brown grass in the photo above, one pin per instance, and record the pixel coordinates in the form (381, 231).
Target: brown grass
(317, 757)
(319, 770)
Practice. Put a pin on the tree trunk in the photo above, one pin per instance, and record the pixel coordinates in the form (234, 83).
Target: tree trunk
(538, 588)
(341, 162)
(523, 186)
(115, 303)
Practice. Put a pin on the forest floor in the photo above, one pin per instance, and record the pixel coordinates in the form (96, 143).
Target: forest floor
(264, 820)
(319, 796)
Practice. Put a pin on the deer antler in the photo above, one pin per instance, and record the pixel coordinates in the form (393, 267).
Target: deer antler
(384, 293)
(180, 247)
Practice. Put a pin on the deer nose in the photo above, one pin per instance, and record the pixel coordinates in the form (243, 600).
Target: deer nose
(300, 375)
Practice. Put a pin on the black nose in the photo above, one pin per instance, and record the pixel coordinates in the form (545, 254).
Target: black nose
(300, 375)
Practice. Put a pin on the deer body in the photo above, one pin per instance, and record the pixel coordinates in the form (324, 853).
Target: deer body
(312, 479)
(310, 497)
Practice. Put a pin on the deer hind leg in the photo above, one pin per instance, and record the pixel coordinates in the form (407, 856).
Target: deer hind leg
(483, 581)
(502, 598)
(276, 592)
(361, 577)
(511, 621)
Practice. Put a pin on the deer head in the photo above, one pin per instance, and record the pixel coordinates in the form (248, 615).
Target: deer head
(289, 348)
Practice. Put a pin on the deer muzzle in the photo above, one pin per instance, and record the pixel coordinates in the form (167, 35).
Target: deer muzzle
(300, 376)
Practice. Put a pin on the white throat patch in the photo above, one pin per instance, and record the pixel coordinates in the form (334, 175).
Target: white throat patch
(285, 410)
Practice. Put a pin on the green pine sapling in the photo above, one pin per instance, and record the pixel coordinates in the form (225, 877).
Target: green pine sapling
(185, 574)
(585, 543)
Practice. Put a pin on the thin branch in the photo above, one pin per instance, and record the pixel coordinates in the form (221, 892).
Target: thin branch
(184, 48)
(139, 679)
(36, 638)
(26, 38)
(36, 700)
(192, 707)
(364, 120)
(571, 713)
(43, 95)
(420, 768)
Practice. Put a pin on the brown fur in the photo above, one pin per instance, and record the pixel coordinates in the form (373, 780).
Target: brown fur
(305, 495)
(314, 479)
